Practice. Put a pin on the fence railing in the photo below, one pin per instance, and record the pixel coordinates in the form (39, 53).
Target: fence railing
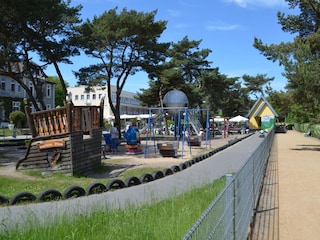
(64, 119)
(230, 213)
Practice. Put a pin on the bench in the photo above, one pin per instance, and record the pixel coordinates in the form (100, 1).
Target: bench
(168, 149)
(308, 133)
(194, 141)
(234, 130)
(25, 131)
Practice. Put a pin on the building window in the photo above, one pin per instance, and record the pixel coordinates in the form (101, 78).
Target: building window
(48, 106)
(19, 88)
(76, 97)
(13, 86)
(48, 91)
(88, 96)
(93, 96)
(100, 95)
(15, 106)
(31, 87)
(82, 97)
(3, 84)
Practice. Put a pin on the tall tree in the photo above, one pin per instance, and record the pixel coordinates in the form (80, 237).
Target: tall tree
(123, 44)
(182, 70)
(255, 85)
(283, 104)
(36, 27)
(223, 93)
(300, 58)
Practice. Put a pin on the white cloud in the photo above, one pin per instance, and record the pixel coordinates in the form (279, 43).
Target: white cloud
(174, 13)
(222, 27)
(181, 25)
(259, 3)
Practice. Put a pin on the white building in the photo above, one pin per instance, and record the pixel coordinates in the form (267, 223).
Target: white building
(128, 104)
(12, 94)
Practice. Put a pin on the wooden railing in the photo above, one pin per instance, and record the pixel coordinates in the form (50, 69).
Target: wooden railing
(64, 120)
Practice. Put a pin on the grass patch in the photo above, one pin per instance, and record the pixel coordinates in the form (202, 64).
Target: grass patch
(167, 219)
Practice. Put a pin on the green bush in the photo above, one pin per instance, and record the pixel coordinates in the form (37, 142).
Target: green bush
(18, 118)
(304, 127)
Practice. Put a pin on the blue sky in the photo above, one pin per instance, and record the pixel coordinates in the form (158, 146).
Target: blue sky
(227, 27)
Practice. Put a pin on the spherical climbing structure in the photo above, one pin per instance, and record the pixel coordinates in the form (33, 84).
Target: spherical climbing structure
(175, 99)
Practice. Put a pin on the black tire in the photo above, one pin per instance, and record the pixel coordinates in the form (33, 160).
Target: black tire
(74, 192)
(157, 175)
(22, 197)
(96, 188)
(3, 200)
(146, 177)
(115, 184)
(49, 195)
(188, 163)
(175, 168)
(132, 181)
(182, 166)
(167, 171)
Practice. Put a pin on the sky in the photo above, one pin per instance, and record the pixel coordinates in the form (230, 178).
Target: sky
(227, 27)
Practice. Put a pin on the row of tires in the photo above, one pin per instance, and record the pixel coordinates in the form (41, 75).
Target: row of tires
(96, 188)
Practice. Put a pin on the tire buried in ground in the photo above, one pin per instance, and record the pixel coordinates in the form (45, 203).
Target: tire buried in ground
(115, 184)
(157, 175)
(74, 192)
(175, 168)
(96, 188)
(132, 181)
(49, 195)
(3, 200)
(182, 166)
(188, 163)
(167, 171)
(22, 197)
(146, 177)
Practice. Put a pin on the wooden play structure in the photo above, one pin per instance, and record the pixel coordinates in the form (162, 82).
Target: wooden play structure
(65, 139)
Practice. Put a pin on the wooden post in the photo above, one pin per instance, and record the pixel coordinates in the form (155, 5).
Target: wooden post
(30, 122)
(101, 112)
(69, 117)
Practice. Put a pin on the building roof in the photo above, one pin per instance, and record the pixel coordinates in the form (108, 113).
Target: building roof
(262, 101)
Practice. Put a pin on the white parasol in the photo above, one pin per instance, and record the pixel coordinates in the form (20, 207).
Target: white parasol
(238, 118)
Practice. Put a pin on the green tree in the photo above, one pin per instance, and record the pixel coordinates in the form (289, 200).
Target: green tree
(282, 103)
(255, 85)
(122, 44)
(182, 70)
(300, 58)
(60, 96)
(43, 28)
(223, 93)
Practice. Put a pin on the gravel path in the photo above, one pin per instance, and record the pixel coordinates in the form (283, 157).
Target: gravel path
(290, 200)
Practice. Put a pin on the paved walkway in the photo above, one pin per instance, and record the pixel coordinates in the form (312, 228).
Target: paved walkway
(289, 206)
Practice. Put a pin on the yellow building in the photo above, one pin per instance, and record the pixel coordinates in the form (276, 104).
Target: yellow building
(262, 115)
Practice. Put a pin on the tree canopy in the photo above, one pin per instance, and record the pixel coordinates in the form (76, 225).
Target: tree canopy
(123, 44)
(300, 58)
(43, 28)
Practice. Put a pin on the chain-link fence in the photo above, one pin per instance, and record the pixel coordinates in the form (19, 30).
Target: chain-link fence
(229, 215)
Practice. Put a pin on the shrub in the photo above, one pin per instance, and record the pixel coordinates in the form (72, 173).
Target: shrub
(18, 118)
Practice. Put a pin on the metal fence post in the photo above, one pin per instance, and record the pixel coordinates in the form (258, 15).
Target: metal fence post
(230, 203)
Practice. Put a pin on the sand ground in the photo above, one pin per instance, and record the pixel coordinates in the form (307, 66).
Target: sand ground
(289, 205)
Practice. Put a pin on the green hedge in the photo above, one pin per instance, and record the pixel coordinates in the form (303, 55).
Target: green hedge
(303, 127)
